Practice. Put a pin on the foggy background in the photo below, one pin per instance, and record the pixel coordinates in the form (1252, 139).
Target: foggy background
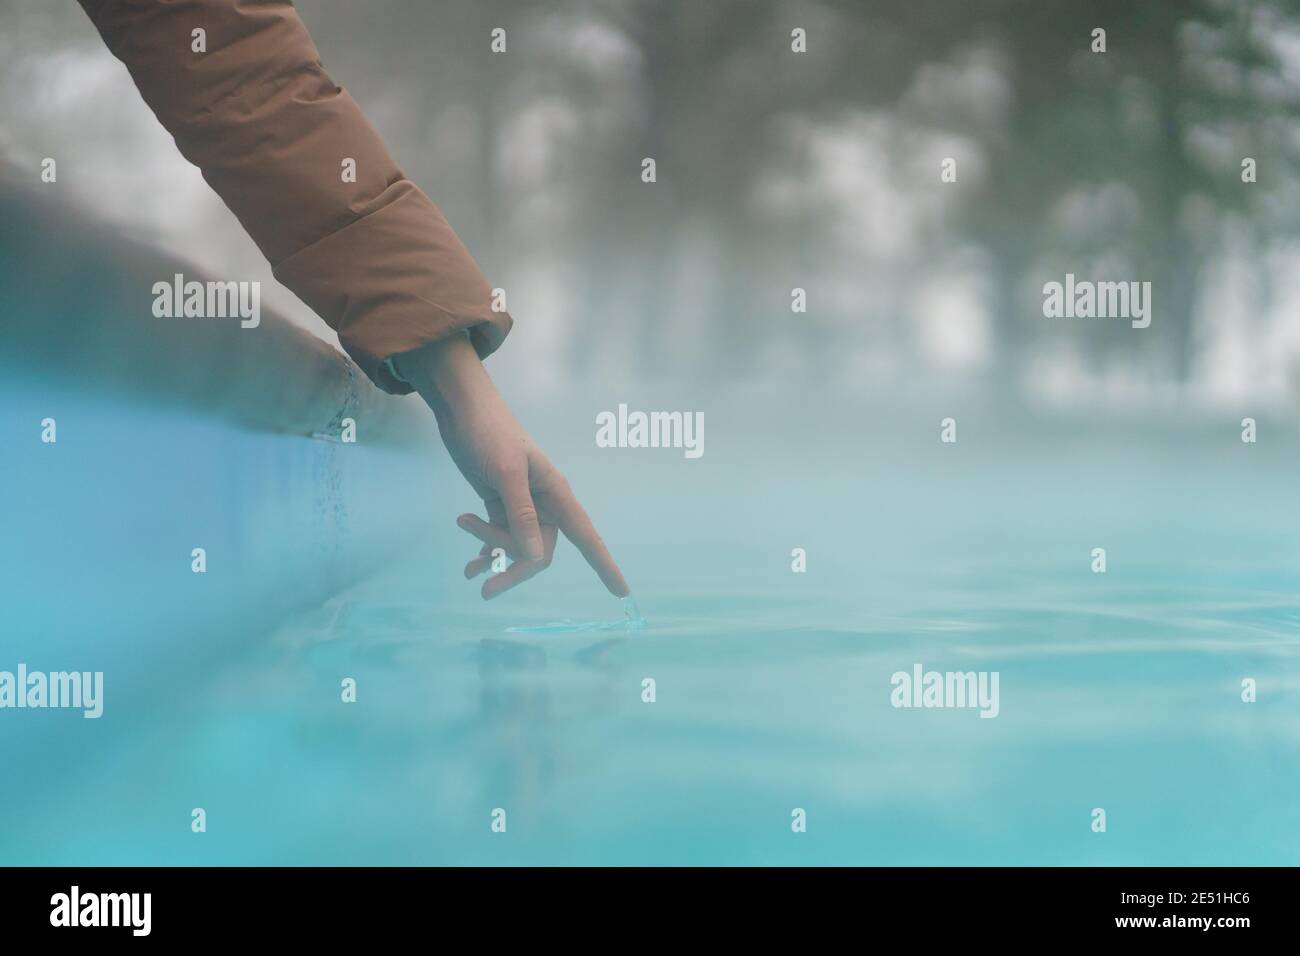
(779, 170)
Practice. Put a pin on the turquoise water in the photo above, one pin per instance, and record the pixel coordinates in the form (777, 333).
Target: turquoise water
(772, 688)
(631, 621)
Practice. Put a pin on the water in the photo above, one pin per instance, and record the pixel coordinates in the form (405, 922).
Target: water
(1119, 691)
(632, 620)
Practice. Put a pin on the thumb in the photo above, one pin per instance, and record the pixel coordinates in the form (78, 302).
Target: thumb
(521, 516)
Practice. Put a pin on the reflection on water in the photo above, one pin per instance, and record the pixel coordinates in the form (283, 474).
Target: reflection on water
(631, 621)
(1113, 708)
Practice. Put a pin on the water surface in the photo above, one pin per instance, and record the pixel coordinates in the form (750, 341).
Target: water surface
(1119, 691)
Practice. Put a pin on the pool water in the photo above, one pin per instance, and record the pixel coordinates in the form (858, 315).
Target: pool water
(772, 688)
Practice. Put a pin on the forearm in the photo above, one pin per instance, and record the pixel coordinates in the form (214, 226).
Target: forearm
(447, 373)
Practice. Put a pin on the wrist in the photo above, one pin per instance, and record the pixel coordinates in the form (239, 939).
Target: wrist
(446, 373)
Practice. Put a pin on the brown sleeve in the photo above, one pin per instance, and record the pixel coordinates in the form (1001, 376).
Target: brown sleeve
(268, 128)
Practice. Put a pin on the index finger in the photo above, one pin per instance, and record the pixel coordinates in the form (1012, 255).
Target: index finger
(577, 527)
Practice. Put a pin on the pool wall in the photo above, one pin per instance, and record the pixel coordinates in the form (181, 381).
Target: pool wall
(173, 435)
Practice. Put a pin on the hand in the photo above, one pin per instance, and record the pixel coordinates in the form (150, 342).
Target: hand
(528, 501)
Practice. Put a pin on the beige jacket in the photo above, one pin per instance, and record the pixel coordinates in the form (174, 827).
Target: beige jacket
(270, 131)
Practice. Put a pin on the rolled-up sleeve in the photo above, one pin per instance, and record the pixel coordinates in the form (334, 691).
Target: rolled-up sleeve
(273, 135)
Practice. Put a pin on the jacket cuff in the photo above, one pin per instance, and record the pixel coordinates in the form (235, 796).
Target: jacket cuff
(392, 282)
